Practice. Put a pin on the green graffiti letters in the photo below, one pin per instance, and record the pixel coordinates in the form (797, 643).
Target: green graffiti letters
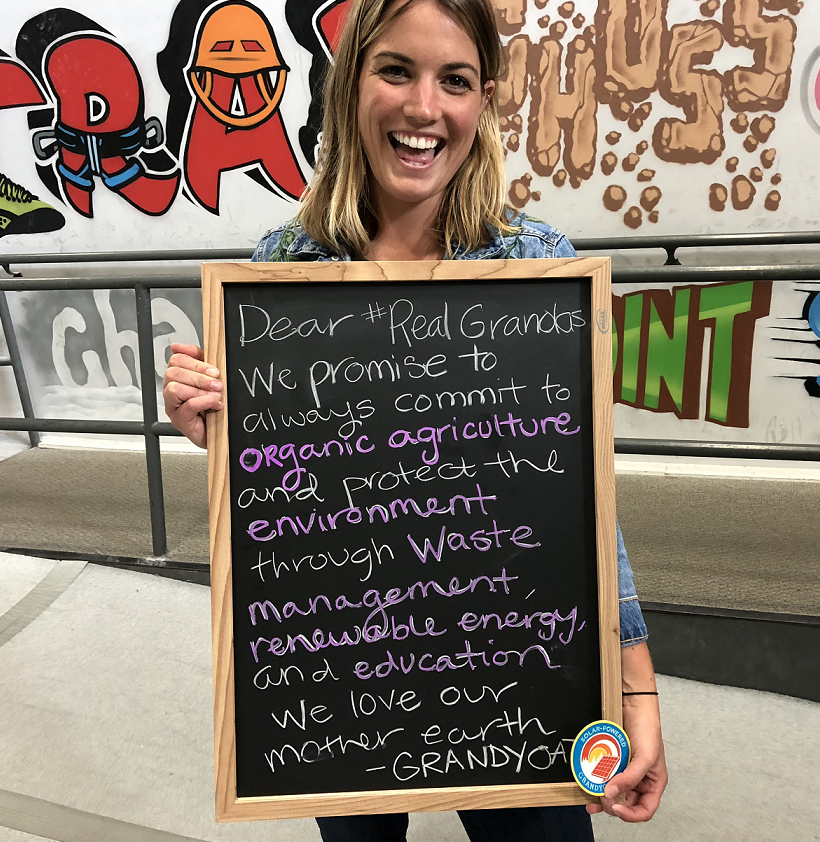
(659, 339)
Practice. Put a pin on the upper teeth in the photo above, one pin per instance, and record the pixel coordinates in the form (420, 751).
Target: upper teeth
(416, 142)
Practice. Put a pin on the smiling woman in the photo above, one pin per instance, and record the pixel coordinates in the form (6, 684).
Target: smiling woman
(411, 164)
(421, 96)
(411, 167)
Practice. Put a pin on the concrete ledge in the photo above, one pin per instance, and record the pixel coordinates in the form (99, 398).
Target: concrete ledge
(749, 649)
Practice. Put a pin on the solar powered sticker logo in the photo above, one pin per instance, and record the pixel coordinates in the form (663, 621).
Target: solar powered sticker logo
(599, 753)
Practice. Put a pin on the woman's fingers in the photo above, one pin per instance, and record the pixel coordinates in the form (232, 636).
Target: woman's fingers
(190, 387)
(191, 358)
(188, 350)
(187, 417)
(635, 794)
(176, 394)
(642, 810)
(191, 362)
(186, 361)
(191, 377)
(193, 407)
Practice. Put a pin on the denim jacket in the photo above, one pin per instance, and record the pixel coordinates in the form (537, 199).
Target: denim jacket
(289, 242)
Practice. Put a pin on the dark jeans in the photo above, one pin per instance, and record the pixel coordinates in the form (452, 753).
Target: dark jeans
(533, 824)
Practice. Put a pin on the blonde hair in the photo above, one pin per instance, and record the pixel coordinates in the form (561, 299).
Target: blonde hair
(336, 209)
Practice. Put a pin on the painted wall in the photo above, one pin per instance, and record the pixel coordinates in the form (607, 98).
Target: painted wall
(127, 126)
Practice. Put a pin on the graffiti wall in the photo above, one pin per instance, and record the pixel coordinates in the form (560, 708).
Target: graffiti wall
(722, 362)
(158, 124)
(669, 116)
(192, 123)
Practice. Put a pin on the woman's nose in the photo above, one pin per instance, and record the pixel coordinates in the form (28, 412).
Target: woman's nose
(423, 104)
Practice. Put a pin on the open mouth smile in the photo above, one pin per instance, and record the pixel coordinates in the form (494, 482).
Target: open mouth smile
(418, 150)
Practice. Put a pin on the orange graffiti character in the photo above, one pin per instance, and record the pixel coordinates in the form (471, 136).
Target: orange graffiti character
(238, 78)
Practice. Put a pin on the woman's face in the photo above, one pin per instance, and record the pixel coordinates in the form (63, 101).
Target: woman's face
(420, 98)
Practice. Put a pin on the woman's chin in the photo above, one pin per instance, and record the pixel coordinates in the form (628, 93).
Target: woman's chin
(409, 192)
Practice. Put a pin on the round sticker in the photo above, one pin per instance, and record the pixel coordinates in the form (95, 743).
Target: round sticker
(599, 752)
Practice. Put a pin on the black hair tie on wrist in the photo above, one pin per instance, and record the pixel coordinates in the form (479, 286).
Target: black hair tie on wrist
(642, 693)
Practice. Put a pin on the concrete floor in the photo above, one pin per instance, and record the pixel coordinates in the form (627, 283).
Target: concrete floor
(106, 730)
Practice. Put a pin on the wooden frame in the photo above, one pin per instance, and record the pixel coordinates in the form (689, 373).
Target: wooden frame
(214, 276)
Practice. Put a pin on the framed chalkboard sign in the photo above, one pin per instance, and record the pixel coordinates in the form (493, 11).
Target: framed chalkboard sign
(414, 573)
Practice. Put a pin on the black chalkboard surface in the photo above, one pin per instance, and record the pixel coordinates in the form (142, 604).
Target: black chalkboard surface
(415, 600)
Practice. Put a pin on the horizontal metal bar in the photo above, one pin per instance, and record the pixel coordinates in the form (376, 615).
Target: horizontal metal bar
(5, 361)
(733, 450)
(581, 244)
(714, 274)
(71, 425)
(623, 275)
(163, 428)
(199, 255)
(182, 281)
(786, 238)
(76, 425)
(645, 447)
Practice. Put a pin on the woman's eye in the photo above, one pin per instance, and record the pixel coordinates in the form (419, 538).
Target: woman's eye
(458, 82)
(393, 71)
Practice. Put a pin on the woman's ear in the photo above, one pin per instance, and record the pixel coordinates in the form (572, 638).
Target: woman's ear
(489, 89)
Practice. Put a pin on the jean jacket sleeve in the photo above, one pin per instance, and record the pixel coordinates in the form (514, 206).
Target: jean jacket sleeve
(633, 627)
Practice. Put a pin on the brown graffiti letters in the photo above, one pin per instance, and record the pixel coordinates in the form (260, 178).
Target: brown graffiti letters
(698, 92)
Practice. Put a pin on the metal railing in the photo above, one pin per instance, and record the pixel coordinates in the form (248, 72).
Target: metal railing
(15, 362)
(151, 428)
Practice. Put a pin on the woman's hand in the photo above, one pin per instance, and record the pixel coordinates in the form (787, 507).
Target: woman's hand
(635, 794)
(190, 388)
